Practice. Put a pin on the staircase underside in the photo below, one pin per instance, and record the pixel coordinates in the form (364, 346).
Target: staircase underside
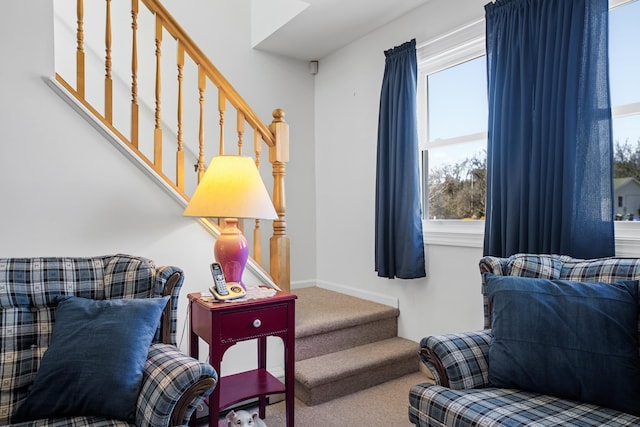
(345, 344)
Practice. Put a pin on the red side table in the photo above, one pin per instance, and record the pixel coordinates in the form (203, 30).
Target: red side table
(222, 324)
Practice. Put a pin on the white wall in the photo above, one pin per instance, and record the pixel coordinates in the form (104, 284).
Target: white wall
(67, 192)
(347, 99)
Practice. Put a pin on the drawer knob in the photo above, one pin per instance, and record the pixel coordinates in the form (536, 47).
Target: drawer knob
(257, 323)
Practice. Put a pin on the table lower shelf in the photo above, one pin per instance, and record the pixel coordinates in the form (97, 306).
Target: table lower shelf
(244, 385)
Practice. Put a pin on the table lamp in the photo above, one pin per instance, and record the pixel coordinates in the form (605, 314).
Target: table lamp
(231, 188)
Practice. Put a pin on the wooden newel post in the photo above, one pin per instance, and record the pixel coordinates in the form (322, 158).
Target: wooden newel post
(279, 242)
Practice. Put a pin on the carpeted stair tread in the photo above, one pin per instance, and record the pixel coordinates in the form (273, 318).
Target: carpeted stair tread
(366, 358)
(326, 377)
(344, 338)
(320, 310)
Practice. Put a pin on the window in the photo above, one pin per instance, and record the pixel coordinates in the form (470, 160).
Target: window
(453, 88)
(624, 69)
(453, 105)
(456, 141)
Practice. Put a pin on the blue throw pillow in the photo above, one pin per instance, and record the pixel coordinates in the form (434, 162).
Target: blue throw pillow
(94, 362)
(568, 339)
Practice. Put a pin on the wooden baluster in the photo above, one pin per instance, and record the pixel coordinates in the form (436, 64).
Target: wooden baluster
(240, 128)
(157, 134)
(279, 242)
(202, 82)
(135, 109)
(180, 152)
(222, 106)
(80, 49)
(108, 81)
(257, 232)
(257, 242)
(257, 147)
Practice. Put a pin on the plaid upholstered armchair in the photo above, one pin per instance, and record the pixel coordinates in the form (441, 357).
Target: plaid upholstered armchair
(560, 347)
(92, 341)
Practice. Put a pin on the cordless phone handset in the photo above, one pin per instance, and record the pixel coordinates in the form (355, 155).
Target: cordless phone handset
(219, 290)
(219, 284)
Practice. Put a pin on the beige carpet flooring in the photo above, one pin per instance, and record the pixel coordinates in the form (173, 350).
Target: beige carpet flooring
(384, 405)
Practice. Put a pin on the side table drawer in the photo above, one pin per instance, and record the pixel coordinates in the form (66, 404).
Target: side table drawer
(250, 324)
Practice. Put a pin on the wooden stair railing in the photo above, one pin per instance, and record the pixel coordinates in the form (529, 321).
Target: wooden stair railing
(275, 135)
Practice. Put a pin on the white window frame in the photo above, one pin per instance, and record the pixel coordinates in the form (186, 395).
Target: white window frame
(458, 46)
(463, 44)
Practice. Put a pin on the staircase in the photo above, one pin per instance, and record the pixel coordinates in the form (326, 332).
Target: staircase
(345, 344)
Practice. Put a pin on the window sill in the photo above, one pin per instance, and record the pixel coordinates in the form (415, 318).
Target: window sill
(627, 238)
(470, 234)
(451, 232)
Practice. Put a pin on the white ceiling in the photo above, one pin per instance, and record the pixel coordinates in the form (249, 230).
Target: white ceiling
(311, 29)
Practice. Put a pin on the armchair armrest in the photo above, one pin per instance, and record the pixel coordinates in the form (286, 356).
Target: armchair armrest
(458, 361)
(173, 385)
(168, 281)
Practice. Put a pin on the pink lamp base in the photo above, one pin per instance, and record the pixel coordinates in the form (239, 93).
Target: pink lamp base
(231, 251)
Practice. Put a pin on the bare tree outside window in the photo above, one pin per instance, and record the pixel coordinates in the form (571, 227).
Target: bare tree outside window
(626, 160)
(458, 191)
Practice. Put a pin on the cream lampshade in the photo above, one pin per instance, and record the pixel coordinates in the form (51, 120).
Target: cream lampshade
(231, 188)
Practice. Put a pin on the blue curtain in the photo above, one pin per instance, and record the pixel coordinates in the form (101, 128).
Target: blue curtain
(549, 154)
(399, 247)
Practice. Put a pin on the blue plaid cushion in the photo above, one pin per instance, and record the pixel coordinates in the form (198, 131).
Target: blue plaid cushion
(603, 270)
(539, 266)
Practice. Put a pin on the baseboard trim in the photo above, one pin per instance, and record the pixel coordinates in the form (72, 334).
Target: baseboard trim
(348, 290)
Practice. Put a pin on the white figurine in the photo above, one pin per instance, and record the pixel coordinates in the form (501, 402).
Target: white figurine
(244, 419)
